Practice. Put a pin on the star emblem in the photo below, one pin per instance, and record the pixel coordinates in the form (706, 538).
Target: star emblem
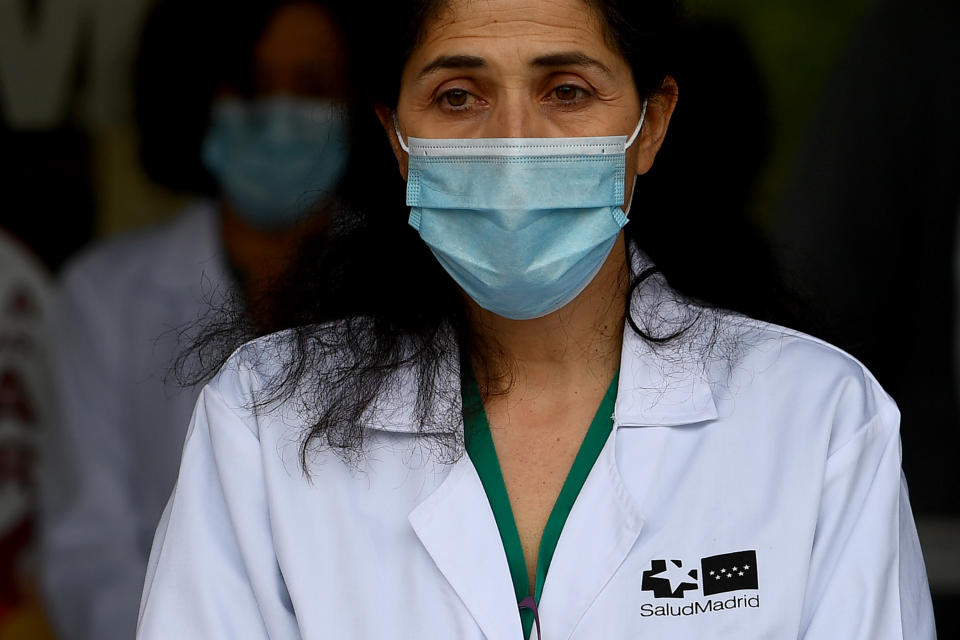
(677, 576)
(668, 579)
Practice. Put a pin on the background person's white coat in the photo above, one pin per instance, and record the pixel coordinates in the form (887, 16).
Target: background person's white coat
(793, 454)
(113, 455)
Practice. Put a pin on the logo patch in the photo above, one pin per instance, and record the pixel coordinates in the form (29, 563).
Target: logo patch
(718, 574)
(724, 573)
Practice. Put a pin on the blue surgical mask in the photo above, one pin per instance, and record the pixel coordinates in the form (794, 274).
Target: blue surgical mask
(276, 160)
(523, 225)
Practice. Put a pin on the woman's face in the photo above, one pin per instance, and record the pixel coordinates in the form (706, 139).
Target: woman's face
(522, 69)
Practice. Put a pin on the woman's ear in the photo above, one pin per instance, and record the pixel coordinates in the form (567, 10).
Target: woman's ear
(659, 111)
(385, 114)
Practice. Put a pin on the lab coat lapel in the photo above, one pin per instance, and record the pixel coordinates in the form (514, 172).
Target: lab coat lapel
(457, 527)
(454, 523)
(598, 535)
(659, 387)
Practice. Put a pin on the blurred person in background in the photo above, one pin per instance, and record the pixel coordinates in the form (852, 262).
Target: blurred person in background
(249, 99)
(869, 226)
(25, 420)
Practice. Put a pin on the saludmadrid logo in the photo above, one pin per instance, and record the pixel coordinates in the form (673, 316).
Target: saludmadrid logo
(725, 573)
(695, 608)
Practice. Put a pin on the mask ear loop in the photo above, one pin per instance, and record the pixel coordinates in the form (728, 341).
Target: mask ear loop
(633, 193)
(403, 145)
(636, 132)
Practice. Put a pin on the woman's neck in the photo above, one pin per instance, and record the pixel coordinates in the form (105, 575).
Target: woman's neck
(578, 342)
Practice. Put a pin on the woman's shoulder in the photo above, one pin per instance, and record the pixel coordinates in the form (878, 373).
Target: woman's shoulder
(802, 374)
(254, 368)
(793, 348)
(749, 359)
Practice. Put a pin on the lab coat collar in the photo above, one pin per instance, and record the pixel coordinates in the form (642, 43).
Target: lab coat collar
(394, 409)
(668, 384)
(661, 389)
(660, 385)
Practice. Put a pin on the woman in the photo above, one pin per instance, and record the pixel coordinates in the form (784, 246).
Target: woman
(268, 94)
(512, 424)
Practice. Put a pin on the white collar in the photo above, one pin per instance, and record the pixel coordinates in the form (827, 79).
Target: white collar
(662, 385)
(665, 385)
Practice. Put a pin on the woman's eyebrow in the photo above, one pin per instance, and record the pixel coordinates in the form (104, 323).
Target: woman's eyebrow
(452, 62)
(570, 58)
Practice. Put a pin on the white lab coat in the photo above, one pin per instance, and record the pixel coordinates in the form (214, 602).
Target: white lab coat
(791, 453)
(114, 454)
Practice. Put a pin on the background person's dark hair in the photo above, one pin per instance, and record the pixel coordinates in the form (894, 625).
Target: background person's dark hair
(393, 305)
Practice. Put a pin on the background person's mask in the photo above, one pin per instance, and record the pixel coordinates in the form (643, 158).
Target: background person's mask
(523, 225)
(276, 159)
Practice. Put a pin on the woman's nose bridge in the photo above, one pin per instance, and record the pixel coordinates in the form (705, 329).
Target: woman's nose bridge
(515, 115)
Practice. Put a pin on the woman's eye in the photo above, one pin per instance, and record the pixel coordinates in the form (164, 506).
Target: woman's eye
(568, 93)
(456, 99)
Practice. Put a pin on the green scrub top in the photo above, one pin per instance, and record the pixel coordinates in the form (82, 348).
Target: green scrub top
(483, 454)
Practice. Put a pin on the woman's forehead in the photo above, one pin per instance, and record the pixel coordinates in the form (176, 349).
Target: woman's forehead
(520, 24)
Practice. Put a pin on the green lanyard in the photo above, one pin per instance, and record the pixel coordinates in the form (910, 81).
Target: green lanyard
(483, 454)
